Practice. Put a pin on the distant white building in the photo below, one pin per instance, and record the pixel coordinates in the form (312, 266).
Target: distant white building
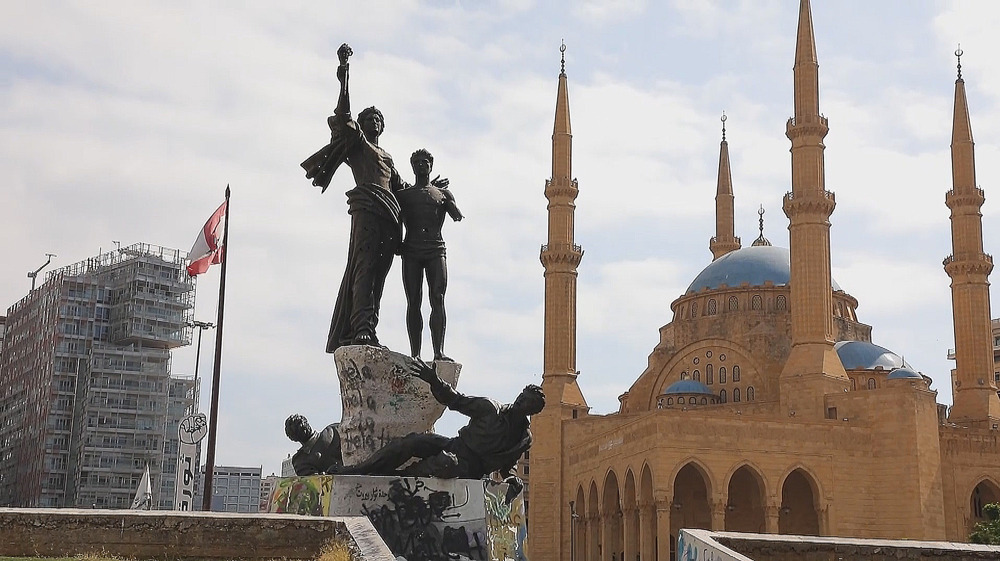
(267, 486)
(234, 489)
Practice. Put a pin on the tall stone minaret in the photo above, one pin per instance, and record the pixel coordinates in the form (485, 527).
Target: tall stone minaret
(975, 393)
(725, 239)
(549, 518)
(813, 367)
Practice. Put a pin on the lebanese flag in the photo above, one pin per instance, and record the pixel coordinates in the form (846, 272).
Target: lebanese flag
(207, 249)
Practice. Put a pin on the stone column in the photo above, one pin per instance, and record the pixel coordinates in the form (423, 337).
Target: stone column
(771, 510)
(594, 538)
(647, 531)
(631, 527)
(663, 529)
(718, 507)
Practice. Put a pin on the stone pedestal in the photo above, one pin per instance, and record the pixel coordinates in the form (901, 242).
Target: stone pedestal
(381, 400)
(419, 518)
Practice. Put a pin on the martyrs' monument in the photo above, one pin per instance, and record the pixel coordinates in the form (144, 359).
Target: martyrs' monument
(383, 456)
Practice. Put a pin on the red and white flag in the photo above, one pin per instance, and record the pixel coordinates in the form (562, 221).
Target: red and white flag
(207, 249)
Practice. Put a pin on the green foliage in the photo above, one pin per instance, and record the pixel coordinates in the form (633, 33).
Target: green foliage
(988, 531)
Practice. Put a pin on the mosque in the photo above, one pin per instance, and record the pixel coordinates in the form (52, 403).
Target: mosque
(765, 406)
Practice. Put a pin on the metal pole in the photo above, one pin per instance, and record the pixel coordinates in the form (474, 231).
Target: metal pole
(572, 531)
(214, 415)
(202, 326)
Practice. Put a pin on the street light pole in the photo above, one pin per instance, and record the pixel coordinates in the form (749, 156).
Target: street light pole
(202, 326)
(572, 530)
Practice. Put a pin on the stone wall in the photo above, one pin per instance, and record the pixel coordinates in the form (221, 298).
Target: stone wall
(183, 535)
(763, 547)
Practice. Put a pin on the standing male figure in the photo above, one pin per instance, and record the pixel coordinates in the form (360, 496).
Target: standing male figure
(374, 210)
(424, 206)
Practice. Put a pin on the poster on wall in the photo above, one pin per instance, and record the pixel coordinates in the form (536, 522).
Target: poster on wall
(191, 430)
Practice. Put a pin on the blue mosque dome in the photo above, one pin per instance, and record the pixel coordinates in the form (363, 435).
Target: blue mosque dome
(904, 373)
(755, 265)
(688, 386)
(862, 355)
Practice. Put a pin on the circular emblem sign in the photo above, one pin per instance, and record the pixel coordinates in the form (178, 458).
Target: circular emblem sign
(193, 428)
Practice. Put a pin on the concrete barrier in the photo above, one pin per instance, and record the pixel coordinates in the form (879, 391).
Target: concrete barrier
(183, 535)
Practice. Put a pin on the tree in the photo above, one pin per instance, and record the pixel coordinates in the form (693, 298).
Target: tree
(988, 531)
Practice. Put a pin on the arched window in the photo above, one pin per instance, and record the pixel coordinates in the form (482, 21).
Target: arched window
(736, 373)
(756, 303)
(736, 395)
(694, 309)
(684, 375)
(750, 393)
(680, 400)
(722, 396)
(871, 383)
(696, 375)
(734, 303)
(779, 302)
(722, 374)
(712, 307)
(704, 401)
(670, 401)
(708, 374)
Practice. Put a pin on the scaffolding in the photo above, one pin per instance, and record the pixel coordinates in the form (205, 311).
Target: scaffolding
(86, 395)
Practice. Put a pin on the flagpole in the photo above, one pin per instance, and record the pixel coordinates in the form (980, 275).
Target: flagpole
(206, 504)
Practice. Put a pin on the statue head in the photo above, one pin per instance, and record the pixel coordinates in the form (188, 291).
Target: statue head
(422, 162)
(297, 428)
(371, 122)
(531, 400)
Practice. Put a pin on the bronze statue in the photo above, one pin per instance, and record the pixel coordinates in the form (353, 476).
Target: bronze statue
(374, 210)
(320, 451)
(493, 440)
(424, 206)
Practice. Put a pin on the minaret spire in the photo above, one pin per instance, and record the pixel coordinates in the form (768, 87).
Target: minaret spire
(563, 399)
(975, 393)
(725, 239)
(813, 367)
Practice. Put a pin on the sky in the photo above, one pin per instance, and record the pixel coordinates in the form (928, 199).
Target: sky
(125, 121)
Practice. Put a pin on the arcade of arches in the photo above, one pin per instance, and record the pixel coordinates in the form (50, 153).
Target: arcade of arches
(620, 518)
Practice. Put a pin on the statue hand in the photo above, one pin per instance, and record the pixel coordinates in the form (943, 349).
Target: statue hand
(343, 53)
(439, 182)
(422, 370)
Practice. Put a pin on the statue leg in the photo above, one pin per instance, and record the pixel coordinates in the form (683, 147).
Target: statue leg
(365, 239)
(413, 281)
(437, 284)
(379, 239)
(396, 453)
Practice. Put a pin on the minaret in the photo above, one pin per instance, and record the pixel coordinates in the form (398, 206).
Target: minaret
(813, 367)
(560, 257)
(725, 239)
(549, 525)
(975, 393)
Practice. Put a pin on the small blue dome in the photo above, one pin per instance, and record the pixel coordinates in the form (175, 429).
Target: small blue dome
(688, 386)
(862, 355)
(754, 265)
(904, 373)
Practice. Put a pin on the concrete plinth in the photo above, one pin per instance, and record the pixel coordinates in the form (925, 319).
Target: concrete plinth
(381, 400)
(419, 518)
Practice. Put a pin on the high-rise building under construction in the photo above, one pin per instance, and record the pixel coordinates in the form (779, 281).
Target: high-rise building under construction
(87, 400)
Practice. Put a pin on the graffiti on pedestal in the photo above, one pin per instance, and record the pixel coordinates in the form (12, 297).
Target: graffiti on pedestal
(507, 526)
(421, 519)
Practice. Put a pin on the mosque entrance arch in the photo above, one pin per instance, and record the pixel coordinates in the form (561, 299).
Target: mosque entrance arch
(986, 492)
(745, 502)
(798, 513)
(689, 508)
(611, 514)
